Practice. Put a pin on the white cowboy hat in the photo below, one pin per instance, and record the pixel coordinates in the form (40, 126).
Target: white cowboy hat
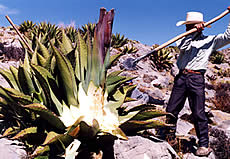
(192, 18)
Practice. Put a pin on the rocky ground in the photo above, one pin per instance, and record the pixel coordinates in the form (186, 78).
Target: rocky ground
(154, 87)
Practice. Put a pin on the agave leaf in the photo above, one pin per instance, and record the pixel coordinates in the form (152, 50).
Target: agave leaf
(48, 84)
(23, 133)
(115, 82)
(77, 65)
(53, 137)
(3, 102)
(10, 131)
(114, 79)
(40, 150)
(74, 129)
(124, 118)
(53, 64)
(49, 116)
(44, 50)
(114, 73)
(18, 96)
(128, 99)
(26, 64)
(119, 100)
(14, 72)
(5, 96)
(83, 50)
(41, 60)
(127, 110)
(124, 91)
(48, 62)
(119, 133)
(89, 56)
(113, 59)
(34, 59)
(69, 115)
(86, 131)
(9, 77)
(103, 71)
(134, 126)
(66, 45)
(149, 114)
(96, 65)
(25, 80)
(67, 77)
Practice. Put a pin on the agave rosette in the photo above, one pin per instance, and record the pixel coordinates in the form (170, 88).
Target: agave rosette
(67, 88)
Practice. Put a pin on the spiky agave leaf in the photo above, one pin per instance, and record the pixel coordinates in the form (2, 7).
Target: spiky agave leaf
(49, 86)
(52, 139)
(10, 131)
(9, 77)
(18, 96)
(68, 81)
(66, 45)
(46, 114)
(23, 133)
(132, 126)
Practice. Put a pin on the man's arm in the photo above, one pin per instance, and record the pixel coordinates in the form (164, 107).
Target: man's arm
(222, 39)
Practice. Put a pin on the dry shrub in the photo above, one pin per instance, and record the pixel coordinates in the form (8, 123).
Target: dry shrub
(222, 98)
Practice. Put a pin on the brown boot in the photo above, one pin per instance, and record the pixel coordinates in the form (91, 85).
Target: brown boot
(203, 151)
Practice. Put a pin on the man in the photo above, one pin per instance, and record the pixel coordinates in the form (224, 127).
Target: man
(195, 50)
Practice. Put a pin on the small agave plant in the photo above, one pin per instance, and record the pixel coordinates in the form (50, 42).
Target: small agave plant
(62, 98)
(162, 59)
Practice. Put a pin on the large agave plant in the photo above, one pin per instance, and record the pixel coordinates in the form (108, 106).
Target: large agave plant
(60, 95)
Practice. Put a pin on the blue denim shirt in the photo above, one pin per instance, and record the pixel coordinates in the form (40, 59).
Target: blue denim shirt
(196, 48)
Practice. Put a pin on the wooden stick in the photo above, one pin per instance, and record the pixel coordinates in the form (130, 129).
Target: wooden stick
(20, 35)
(181, 36)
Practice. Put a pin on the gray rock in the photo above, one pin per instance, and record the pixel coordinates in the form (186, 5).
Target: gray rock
(11, 150)
(141, 148)
(161, 81)
(157, 93)
(192, 156)
(209, 94)
(136, 94)
(183, 127)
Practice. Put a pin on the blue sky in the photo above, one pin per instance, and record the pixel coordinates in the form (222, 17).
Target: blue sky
(148, 21)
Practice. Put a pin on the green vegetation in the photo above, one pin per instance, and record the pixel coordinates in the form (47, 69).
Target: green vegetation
(62, 93)
(128, 50)
(118, 41)
(162, 59)
(216, 57)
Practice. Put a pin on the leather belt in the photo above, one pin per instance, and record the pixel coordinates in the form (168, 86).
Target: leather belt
(187, 71)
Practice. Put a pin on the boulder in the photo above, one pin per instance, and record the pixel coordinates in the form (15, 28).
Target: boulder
(142, 148)
(11, 149)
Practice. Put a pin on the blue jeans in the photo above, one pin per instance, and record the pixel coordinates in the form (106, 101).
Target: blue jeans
(190, 85)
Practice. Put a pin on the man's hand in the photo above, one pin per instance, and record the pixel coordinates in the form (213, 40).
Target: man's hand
(200, 26)
(228, 8)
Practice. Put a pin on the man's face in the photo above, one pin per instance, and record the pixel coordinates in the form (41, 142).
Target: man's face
(190, 26)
